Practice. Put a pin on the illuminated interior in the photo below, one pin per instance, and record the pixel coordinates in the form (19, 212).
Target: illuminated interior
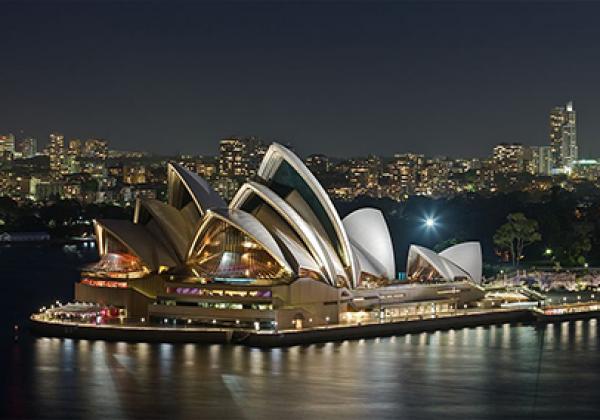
(421, 270)
(227, 252)
(119, 265)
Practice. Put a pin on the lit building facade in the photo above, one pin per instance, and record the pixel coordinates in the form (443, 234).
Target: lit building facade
(27, 147)
(95, 148)
(405, 169)
(512, 158)
(563, 136)
(278, 255)
(541, 163)
(7, 145)
(56, 153)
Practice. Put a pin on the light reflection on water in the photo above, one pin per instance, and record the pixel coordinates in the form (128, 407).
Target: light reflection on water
(492, 372)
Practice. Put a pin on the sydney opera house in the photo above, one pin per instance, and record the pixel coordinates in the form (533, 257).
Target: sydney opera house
(278, 255)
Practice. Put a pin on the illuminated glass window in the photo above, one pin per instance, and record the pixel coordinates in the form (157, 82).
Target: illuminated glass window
(421, 270)
(227, 252)
(114, 263)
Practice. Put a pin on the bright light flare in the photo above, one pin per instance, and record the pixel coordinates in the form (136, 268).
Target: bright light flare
(430, 222)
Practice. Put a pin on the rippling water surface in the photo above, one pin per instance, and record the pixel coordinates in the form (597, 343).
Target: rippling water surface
(501, 372)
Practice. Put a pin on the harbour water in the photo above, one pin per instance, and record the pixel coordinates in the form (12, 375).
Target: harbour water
(497, 372)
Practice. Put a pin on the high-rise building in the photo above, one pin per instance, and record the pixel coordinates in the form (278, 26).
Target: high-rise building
(563, 136)
(233, 160)
(512, 158)
(318, 164)
(233, 165)
(207, 168)
(434, 177)
(134, 174)
(255, 152)
(95, 148)
(75, 148)
(73, 156)
(56, 152)
(240, 157)
(363, 176)
(27, 147)
(404, 170)
(541, 163)
(7, 145)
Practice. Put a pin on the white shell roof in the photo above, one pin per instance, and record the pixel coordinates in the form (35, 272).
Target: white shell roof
(201, 192)
(138, 240)
(299, 253)
(367, 264)
(368, 232)
(447, 269)
(322, 253)
(269, 165)
(468, 257)
(173, 226)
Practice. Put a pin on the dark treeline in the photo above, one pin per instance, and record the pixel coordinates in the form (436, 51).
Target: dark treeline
(568, 223)
(61, 218)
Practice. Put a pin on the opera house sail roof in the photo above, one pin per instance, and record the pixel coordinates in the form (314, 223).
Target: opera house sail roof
(462, 261)
(279, 226)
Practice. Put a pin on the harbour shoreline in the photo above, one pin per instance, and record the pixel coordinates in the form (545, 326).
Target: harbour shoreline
(285, 338)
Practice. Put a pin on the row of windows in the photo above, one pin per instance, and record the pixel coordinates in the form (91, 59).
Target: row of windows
(218, 305)
(195, 291)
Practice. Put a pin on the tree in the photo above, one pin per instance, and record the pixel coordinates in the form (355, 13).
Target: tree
(576, 241)
(440, 246)
(517, 233)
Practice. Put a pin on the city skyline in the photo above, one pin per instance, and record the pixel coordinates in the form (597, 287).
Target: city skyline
(562, 141)
(339, 79)
(300, 209)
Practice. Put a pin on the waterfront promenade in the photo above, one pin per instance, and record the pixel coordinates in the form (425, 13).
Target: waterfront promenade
(148, 332)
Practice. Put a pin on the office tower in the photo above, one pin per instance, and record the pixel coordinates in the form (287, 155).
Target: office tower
(404, 170)
(541, 163)
(134, 174)
(56, 152)
(255, 152)
(95, 148)
(233, 165)
(75, 148)
(7, 145)
(318, 164)
(27, 147)
(512, 158)
(233, 161)
(434, 176)
(563, 136)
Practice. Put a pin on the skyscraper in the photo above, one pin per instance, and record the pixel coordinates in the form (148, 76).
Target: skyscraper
(512, 158)
(541, 163)
(404, 169)
(95, 148)
(27, 147)
(563, 136)
(233, 160)
(233, 165)
(56, 152)
(7, 145)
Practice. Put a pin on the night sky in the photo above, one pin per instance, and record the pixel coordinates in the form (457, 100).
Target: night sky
(330, 77)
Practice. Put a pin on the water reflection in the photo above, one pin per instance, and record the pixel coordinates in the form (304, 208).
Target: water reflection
(495, 372)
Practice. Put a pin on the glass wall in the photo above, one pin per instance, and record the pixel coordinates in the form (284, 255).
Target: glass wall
(227, 252)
